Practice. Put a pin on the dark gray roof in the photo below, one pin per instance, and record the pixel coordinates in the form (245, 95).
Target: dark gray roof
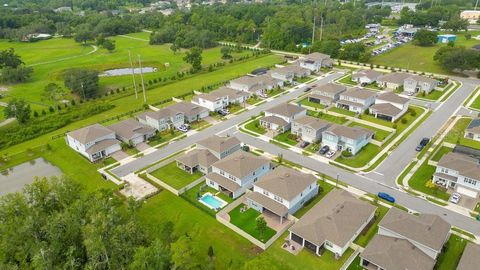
(89, 133)
(470, 258)
(474, 126)
(463, 164)
(287, 110)
(130, 129)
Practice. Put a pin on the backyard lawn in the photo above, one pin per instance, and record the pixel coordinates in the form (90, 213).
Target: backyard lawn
(365, 237)
(434, 95)
(256, 127)
(380, 134)
(347, 80)
(306, 102)
(440, 152)
(421, 177)
(362, 158)
(286, 137)
(476, 103)
(327, 117)
(456, 134)
(450, 258)
(247, 221)
(174, 176)
(355, 265)
(342, 111)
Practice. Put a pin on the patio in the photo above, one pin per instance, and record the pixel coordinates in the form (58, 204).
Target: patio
(292, 246)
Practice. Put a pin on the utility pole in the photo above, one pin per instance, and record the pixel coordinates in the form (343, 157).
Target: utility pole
(141, 76)
(321, 26)
(476, 3)
(133, 74)
(313, 34)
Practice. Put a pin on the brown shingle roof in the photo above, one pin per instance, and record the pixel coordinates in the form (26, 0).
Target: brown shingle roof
(274, 120)
(285, 182)
(386, 109)
(89, 133)
(101, 145)
(197, 157)
(219, 144)
(392, 97)
(349, 132)
(336, 218)
(331, 88)
(396, 254)
(312, 122)
(359, 93)
(426, 229)
(130, 129)
(470, 258)
(187, 108)
(222, 181)
(397, 78)
(287, 110)
(369, 73)
(240, 164)
(465, 165)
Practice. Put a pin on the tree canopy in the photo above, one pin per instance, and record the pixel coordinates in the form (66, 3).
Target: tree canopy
(83, 82)
(425, 37)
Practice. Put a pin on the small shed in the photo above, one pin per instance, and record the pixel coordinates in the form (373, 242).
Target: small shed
(446, 38)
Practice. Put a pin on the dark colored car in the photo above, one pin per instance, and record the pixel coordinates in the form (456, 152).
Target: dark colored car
(422, 144)
(308, 88)
(324, 150)
(386, 197)
(304, 144)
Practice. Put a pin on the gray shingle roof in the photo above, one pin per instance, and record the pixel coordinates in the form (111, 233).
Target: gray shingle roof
(474, 126)
(268, 203)
(130, 129)
(312, 122)
(89, 133)
(197, 157)
(316, 56)
(274, 120)
(219, 144)
(465, 165)
(369, 73)
(222, 181)
(240, 164)
(187, 108)
(394, 77)
(392, 97)
(386, 109)
(331, 88)
(426, 229)
(336, 218)
(470, 258)
(287, 110)
(359, 93)
(349, 132)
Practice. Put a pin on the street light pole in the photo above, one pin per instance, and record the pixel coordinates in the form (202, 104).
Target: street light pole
(336, 183)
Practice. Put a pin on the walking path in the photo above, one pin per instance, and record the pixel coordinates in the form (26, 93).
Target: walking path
(135, 38)
(95, 48)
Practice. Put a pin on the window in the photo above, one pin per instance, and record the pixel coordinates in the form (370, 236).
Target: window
(278, 199)
(266, 193)
(328, 244)
(231, 177)
(301, 194)
(212, 183)
(222, 173)
(470, 181)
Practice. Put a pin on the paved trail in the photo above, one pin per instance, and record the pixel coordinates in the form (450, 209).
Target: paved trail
(95, 48)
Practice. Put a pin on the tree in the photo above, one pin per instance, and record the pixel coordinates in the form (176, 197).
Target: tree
(53, 92)
(83, 82)
(109, 45)
(83, 34)
(156, 256)
(261, 226)
(457, 58)
(226, 52)
(19, 109)
(211, 254)
(183, 255)
(260, 263)
(194, 57)
(355, 52)
(330, 47)
(8, 58)
(14, 75)
(456, 24)
(174, 48)
(425, 37)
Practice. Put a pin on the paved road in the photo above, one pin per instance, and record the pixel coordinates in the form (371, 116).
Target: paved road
(401, 157)
(187, 142)
(364, 183)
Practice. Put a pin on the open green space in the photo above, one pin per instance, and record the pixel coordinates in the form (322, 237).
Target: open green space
(247, 221)
(421, 181)
(453, 252)
(286, 137)
(434, 95)
(328, 117)
(456, 134)
(306, 102)
(323, 189)
(380, 134)
(414, 57)
(440, 152)
(256, 127)
(362, 158)
(476, 103)
(174, 176)
(347, 80)
(366, 236)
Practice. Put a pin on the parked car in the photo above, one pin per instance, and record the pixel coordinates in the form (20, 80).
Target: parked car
(422, 144)
(330, 154)
(304, 144)
(183, 128)
(324, 150)
(386, 197)
(224, 112)
(455, 198)
(308, 88)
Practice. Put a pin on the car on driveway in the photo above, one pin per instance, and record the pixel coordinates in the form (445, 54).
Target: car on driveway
(330, 154)
(455, 198)
(304, 144)
(386, 197)
(324, 150)
(422, 144)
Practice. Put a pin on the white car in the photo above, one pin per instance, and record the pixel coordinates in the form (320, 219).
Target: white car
(455, 198)
(330, 154)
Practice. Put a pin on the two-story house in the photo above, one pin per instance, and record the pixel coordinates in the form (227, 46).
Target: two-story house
(162, 119)
(282, 191)
(309, 129)
(132, 132)
(417, 83)
(389, 106)
(280, 117)
(94, 142)
(207, 152)
(366, 76)
(326, 94)
(356, 100)
(220, 98)
(459, 172)
(315, 61)
(289, 73)
(255, 85)
(392, 81)
(473, 130)
(406, 241)
(343, 138)
(191, 112)
(333, 223)
(237, 172)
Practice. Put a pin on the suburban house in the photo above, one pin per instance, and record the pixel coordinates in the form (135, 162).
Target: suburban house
(389, 106)
(94, 142)
(309, 129)
(191, 112)
(406, 241)
(315, 61)
(333, 223)
(132, 132)
(343, 138)
(288, 73)
(237, 172)
(473, 130)
(220, 99)
(280, 117)
(257, 85)
(326, 94)
(356, 100)
(460, 172)
(281, 192)
(208, 152)
(470, 259)
(411, 83)
(173, 116)
(366, 76)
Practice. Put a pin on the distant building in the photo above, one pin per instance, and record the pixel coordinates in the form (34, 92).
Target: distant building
(257, 85)
(131, 131)
(446, 38)
(366, 76)
(221, 98)
(315, 61)
(471, 15)
(63, 9)
(288, 73)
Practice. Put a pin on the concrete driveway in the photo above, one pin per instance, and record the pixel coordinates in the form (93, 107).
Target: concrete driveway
(119, 155)
(142, 146)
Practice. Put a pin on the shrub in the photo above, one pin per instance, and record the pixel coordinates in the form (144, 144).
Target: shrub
(347, 154)
(404, 121)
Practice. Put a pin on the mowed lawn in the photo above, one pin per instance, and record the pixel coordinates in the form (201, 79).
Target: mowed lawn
(247, 221)
(456, 134)
(174, 176)
(451, 257)
(366, 236)
(419, 180)
(419, 58)
(362, 158)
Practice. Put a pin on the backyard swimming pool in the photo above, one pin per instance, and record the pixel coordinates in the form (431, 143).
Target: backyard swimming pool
(212, 201)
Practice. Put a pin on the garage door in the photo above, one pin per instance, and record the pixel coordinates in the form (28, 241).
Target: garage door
(467, 192)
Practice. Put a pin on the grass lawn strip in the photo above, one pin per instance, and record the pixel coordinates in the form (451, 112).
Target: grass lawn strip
(285, 138)
(453, 252)
(456, 134)
(440, 152)
(328, 117)
(419, 180)
(365, 237)
(362, 158)
(380, 134)
(247, 221)
(306, 102)
(355, 265)
(174, 176)
(255, 127)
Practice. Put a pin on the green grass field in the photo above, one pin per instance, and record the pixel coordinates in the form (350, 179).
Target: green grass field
(174, 176)
(419, 180)
(355, 265)
(284, 137)
(247, 222)
(419, 58)
(450, 258)
(256, 127)
(306, 102)
(442, 151)
(362, 158)
(380, 134)
(363, 239)
(328, 117)
(456, 134)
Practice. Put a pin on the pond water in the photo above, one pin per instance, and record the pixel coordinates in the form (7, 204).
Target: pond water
(126, 71)
(15, 178)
